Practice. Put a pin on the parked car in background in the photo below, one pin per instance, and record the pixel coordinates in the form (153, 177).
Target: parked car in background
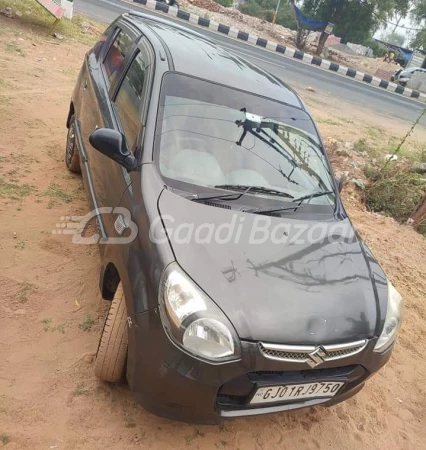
(171, 132)
(403, 75)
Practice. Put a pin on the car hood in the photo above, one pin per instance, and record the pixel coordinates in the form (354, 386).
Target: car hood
(295, 292)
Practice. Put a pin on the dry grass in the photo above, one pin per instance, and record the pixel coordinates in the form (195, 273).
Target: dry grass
(35, 15)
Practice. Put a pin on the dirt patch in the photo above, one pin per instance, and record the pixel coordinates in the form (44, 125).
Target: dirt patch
(372, 66)
(210, 5)
(51, 311)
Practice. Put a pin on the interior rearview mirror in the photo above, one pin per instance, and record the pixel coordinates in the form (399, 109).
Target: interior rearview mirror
(113, 144)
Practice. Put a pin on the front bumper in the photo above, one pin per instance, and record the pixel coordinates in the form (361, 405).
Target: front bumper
(173, 384)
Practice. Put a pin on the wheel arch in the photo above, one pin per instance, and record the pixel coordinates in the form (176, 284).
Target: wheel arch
(109, 281)
(70, 113)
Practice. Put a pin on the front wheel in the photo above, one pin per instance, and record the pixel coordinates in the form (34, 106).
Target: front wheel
(112, 352)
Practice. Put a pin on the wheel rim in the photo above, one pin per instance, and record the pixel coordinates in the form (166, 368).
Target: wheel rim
(70, 144)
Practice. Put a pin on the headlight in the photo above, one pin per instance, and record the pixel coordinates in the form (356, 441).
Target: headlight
(193, 321)
(392, 321)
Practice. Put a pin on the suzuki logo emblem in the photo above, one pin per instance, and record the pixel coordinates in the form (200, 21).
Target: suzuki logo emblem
(317, 357)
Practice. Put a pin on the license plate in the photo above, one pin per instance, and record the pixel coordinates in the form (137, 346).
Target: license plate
(274, 394)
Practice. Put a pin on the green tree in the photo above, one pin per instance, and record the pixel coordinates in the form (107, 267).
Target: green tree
(419, 40)
(418, 13)
(355, 20)
(394, 37)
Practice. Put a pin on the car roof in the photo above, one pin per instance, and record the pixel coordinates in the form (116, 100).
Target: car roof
(195, 55)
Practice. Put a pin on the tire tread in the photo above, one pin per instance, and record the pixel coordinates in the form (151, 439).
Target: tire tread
(111, 358)
(74, 165)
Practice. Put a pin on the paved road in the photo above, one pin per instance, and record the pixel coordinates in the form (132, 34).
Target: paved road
(292, 71)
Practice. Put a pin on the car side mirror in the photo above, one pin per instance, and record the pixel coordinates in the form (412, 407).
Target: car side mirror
(113, 144)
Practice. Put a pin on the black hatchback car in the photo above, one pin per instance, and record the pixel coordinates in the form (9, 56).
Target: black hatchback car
(237, 283)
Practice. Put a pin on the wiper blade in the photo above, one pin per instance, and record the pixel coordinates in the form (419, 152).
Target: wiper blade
(255, 189)
(292, 208)
(226, 197)
(272, 210)
(311, 196)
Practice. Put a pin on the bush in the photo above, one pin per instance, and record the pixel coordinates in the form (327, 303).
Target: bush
(226, 3)
(286, 17)
(361, 146)
(252, 9)
(265, 9)
(379, 50)
(395, 192)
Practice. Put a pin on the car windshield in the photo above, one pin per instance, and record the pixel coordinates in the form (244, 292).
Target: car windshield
(210, 135)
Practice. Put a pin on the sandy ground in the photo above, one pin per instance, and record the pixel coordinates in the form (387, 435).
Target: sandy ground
(50, 308)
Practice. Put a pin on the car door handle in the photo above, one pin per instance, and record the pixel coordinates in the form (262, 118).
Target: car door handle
(84, 85)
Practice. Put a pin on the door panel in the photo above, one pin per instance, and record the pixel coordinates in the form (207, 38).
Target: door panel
(129, 107)
(102, 74)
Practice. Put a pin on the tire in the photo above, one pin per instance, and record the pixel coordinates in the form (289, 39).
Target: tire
(112, 352)
(72, 159)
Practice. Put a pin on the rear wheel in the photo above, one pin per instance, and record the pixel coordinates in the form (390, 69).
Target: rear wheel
(112, 352)
(72, 159)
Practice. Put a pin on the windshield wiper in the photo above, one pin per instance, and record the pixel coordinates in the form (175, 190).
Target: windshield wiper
(311, 196)
(294, 208)
(254, 189)
(226, 197)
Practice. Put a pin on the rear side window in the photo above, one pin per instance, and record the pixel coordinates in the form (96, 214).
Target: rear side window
(99, 45)
(129, 99)
(114, 59)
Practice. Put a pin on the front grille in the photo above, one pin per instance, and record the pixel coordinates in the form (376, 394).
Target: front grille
(236, 393)
(277, 352)
(343, 353)
(301, 376)
(227, 400)
(283, 355)
(305, 354)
